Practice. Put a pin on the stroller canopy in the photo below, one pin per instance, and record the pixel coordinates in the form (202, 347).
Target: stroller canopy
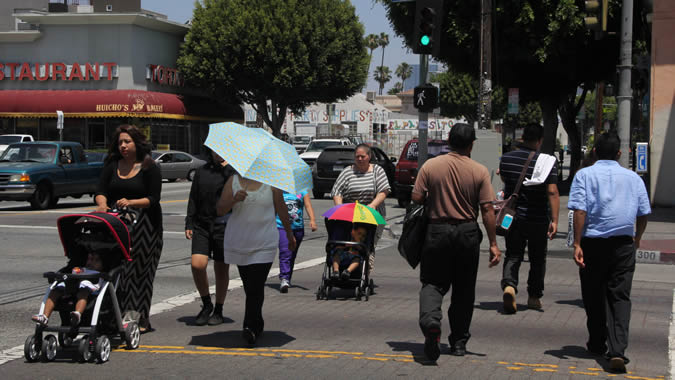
(74, 225)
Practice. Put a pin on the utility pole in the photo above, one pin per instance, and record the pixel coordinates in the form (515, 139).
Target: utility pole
(485, 90)
(423, 117)
(599, 96)
(625, 92)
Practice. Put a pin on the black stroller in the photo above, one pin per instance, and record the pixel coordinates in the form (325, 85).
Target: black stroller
(339, 235)
(109, 233)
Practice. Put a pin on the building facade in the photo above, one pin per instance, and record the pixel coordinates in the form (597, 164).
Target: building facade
(101, 69)
(662, 124)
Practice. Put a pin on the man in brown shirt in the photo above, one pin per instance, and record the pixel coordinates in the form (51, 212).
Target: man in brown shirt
(454, 187)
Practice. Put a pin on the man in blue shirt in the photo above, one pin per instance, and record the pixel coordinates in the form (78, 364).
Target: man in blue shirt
(607, 201)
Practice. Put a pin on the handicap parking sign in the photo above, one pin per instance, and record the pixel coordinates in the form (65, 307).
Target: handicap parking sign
(641, 158)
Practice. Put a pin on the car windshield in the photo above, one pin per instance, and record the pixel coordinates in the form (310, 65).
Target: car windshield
(29, 153)
(318, 146)
(433, 150)
(155, 155)
(6, 140)
(301, 140)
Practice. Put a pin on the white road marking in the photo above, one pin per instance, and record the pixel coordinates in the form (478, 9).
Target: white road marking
(15, 353)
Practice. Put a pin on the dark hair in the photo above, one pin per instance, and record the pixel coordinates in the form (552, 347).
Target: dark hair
(143, 148)
(607, 146)
(533, 132)
(461, 136)
(365, 147)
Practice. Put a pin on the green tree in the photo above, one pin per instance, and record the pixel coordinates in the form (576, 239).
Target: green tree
(397, 88)
(285, 53)
(527, 113)
(404, 71)
(459, 96)
(540, 47)
(382, 76)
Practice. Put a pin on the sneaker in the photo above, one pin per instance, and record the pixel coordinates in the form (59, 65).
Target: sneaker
(617, 365)
(335, 276)
(432, 344)
(204, 315)
(458, 349)
(534, 303)
(345, 275)
(40, 319)
(285, 284)
(75, 318)
(216, 319)
(510, 300)
(249, 336)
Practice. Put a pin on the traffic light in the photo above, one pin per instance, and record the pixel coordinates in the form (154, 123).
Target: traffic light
(596, 12)
(428, 16)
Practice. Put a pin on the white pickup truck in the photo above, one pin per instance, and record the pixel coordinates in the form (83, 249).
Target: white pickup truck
(5, 140)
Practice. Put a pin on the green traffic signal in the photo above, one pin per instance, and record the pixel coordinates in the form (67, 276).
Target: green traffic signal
(425, 40)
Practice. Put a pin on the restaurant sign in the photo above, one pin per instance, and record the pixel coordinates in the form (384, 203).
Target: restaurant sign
(164, 75)
(58, 71)
(138, 106)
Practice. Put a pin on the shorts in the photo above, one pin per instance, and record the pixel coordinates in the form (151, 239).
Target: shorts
(84, 284)
(209, 244)
(346, 258)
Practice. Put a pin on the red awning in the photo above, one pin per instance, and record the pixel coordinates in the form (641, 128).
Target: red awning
(107, 103)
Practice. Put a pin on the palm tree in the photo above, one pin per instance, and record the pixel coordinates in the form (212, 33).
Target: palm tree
(372, 42)
(404, 71)
(383, 41)
(382, 76)
(398, 87)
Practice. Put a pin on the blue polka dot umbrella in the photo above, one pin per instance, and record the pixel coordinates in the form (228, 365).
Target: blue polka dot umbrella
(259, 156)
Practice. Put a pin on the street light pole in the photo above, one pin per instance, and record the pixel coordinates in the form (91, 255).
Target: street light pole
(625, 93)
(485, 90)
(423, 116)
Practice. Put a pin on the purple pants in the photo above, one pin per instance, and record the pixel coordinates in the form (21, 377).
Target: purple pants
(286, 256)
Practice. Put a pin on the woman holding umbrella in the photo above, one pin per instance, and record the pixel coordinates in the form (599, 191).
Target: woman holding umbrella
(251, 241)
(266, 167)
(363, 182)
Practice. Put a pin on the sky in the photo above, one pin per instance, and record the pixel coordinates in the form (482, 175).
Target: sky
(372, 15)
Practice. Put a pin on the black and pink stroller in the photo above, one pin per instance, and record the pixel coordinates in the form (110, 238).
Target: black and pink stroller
(109, 235)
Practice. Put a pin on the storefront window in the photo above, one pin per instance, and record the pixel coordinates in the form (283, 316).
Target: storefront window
(28, 127)
(48, 131)
(6, 126)
(96, 134)
(74, 130)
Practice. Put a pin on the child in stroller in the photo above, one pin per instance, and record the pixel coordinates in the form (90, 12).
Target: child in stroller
(86, 288)
(348, 248)
(347, 259)
(84, 291)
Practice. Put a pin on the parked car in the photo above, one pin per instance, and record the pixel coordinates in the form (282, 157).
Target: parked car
(335, 158)
(96, 156)
(5, 140)
(301, 142)
(317, 146)
(41, 172)
(406, 168)
(175, 164)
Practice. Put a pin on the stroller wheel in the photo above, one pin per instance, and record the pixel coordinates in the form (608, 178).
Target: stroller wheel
(132, 335)
(102, 349)
(48, 352)
(65, 340)
(319, 292)
(83, 353)
(31, 350)
(329, 291)
(365, 295)
(357, 293)
(371, 287)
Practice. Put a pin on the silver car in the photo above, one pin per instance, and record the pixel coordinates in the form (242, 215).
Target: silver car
(175, 164)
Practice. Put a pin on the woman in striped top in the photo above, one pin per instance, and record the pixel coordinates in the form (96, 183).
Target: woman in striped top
(363, 182)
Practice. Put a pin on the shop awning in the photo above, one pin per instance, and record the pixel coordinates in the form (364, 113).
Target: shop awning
(112, 103)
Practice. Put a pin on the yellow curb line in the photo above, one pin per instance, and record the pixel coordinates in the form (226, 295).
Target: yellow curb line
(584, 373)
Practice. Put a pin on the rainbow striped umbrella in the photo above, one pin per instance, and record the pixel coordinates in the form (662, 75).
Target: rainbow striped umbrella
(355, 213)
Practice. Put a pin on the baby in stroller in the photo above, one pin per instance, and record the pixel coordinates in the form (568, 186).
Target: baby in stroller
(86, 287)
(348, 259)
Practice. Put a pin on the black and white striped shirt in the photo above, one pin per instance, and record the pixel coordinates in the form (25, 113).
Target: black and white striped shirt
(352, 185)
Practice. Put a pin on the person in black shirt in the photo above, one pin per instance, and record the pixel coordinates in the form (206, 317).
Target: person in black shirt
(206, 230)
(534, 223)
(131, 178)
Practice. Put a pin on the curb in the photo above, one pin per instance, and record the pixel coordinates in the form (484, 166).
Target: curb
(644, 256)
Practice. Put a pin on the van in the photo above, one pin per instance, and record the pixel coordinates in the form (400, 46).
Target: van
(406, 168)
